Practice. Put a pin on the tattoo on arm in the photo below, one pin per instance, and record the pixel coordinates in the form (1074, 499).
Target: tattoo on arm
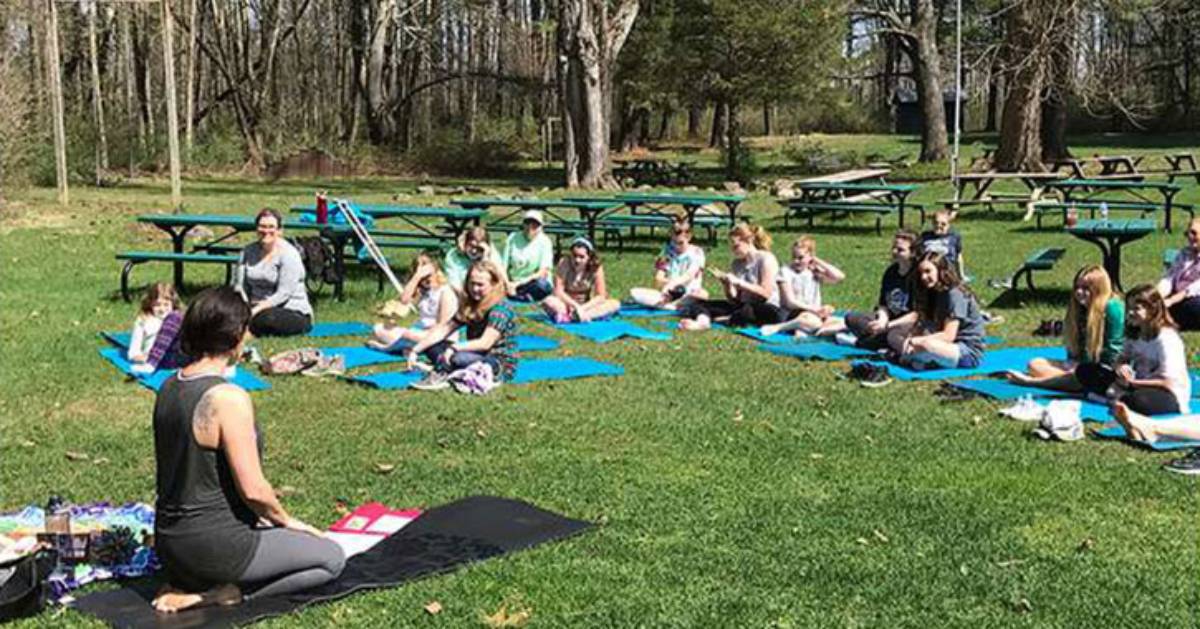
(204, 418)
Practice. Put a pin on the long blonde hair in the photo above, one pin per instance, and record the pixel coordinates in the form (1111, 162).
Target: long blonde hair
(469, 310)
(437, 278)
(754, 234)
(1091, 317)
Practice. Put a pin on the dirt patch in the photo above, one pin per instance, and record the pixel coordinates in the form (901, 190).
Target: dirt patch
(310, 163)
(14, 216)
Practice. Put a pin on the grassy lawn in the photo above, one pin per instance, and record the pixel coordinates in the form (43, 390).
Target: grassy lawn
(734, 488)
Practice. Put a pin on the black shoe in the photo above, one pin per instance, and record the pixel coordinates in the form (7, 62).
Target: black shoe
(870, 374)
(1189, 464)
(1045, 328)
(947, 392)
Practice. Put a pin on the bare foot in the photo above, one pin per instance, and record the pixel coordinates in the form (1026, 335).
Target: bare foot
(769, 330)
(1018, 377)
(694, 325)
(1136, 425)
(171, 600)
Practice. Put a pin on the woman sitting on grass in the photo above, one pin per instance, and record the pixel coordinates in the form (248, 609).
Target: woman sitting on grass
(1150, 376)
(491, 331)
(678, 272)
(435, 301)
(270, 276)
(751, 288)
(800, 292)
(1094, 333)
(580, 288)
(220, 532)
(1180, 286)
(945, 329)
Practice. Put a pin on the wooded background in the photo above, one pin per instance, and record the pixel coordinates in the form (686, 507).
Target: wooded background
(472, 86)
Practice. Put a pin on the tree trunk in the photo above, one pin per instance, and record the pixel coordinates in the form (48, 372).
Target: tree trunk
(766, 114)
(927, 66)
(54, 77)
(190, 106)
(1021, 122)
(993, 98)
(380, 124)
(695, 119)
(1054, 107)
(97, 98)
(720, 126)
(664, 125)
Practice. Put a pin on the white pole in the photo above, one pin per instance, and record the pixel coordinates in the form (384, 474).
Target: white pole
(957, 97)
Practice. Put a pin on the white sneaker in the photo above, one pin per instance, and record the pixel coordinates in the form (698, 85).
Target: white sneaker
(845, 338)
(1024, 410)
(142, 368)
(800, 335)
(435, 381)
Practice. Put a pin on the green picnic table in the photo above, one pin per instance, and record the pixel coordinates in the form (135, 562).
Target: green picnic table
(1110, 236)
(846, 198)
(455, 219)
(589, 211)
(689, 202)
(1117, 194)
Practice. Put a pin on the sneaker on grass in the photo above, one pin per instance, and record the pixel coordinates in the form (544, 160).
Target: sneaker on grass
(1025, 410)
(435, 381)
(1189, 464)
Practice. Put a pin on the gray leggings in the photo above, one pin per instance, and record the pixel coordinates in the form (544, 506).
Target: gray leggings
(288, 561)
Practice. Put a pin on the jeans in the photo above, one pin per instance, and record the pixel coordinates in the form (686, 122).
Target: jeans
(458, 360)
(536, 290)
(1187, 313)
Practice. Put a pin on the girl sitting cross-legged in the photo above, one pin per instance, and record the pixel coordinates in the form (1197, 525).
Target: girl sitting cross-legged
(154, 341)
(435, 301)
(751, 287)
(945, 329)
(491, 331)
(1150, 376)
(580, 289)
(800, 292)
(1094, 333)
(678, 272)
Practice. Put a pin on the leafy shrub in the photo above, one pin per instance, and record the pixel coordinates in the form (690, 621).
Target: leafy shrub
(813, 156)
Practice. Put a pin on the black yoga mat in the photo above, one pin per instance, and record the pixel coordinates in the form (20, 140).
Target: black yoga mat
(440, 540)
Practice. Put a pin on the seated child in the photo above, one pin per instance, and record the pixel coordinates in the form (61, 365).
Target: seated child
(751, 287)
(154, 341)
(869, 330)
(678, 272)
(944, 240)
(1094, 333)
(472, 246)
(580, 290)
(945, 329)
(435, 301)
(1150, 376)
(491, 332)
(800, 292)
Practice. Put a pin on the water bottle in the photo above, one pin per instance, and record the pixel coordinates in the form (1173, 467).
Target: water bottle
(322, 209)
(1072, 215)
(1104, 211)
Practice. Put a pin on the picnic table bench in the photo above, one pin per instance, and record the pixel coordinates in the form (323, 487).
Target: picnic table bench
(1043, 259)
(454, 220)
(1089, 194)
(1182, 165)
(134, 258)
(1035, 183)
(847, 199)
(589, 212)
(659, 172)
(692, 203)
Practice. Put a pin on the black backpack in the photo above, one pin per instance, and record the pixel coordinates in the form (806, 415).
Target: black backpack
(317, 254)
(23, 589)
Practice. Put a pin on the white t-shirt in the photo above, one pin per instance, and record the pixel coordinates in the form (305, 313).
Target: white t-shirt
(1162, 358)
(145, 331)
(806, 288)
(679, 263)
(431, 302)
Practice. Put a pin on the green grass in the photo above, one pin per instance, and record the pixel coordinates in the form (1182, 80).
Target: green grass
(706, 519)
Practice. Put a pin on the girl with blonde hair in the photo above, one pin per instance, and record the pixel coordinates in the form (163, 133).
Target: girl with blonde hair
(1094, 332)
(751, 286)
(800, 292)
(428, 291)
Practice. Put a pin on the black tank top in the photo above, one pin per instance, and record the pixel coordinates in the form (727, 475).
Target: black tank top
(203, 530)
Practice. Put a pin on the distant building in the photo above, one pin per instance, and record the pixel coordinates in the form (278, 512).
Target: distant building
(906, 111)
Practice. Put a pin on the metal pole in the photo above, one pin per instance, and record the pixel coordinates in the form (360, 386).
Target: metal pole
(957, 97)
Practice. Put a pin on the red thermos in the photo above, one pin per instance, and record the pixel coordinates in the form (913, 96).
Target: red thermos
(322, 210)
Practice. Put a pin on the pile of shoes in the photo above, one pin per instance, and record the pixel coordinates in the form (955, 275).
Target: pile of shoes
(1049, 327)
(870, 374)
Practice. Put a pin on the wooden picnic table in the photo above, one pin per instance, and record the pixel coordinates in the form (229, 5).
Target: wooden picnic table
(859, 175)
(1110, 236)
(177, 227)
(1095, 191)
(1035, 182)
(850, 197)
(1182, 165)
(654, 170)
(589, 212)
(689, 202)
(1118, 166)
(455, 219)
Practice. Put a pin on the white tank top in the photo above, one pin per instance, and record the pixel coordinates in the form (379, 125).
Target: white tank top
(430, 303)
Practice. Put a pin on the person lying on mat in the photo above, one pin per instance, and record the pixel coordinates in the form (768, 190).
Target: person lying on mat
(1094, 333)
(945, 329)
(472, 246)
(220, 532)
(154, 340)
(751, 286)
(270, 276)
(1141, 428)
(1150, 376)
(491, 333)
(580, 288)
(435, 301)
(1180, 285)
(800, 292)
(869, 330)
(678, 272)
(529, 260)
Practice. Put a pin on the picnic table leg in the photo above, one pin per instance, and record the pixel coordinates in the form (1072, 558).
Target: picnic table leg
(1110, 252)
(339, 263)
(1170, 197)
(177, 245)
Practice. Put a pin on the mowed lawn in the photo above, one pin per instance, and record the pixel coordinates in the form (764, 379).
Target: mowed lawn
(730, 487)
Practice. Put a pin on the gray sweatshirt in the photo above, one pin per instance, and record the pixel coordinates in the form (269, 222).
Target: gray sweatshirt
(278, 282)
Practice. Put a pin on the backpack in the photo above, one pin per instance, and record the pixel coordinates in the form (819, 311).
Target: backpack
(317, 254)
(23, 589)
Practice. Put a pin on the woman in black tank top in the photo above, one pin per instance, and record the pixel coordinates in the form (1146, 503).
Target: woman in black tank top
(212, 495)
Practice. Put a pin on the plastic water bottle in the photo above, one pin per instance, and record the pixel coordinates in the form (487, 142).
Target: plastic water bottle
(1104, 211)
(322, 209)
(1072, 215)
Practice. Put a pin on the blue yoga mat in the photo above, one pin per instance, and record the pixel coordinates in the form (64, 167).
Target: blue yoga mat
(153, 381)
(994, 361)
(319, 330)
(605, 331)
(533, 370)
(637, 311)
(817, 351)
(1005, 390)
(786, 338)
(525, 343)
(1116, 431)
